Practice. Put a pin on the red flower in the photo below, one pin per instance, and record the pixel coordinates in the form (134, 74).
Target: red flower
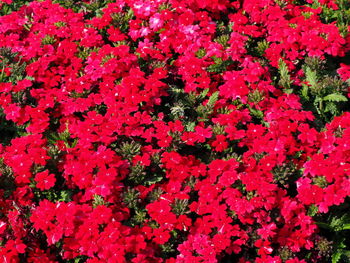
(220, 144)
(44, 180)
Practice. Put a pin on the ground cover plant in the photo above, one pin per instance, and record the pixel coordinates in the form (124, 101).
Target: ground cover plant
(174, 131)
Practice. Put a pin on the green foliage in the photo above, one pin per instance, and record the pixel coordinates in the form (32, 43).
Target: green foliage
(218, 129)
(98, 200)
(311, 78)
(60, 24)
(285, 174)
(191, 107)
(190, 126)
(204, 111)
(79, 259)
(169, 249)
(53, 195)
(222, 27)
(256, 96)
(219, 65)
(7, 182)
(129, 149)
(121, 20)
(177, 111)
(285, 253)
(213, 99)
(131, 198)
(48, 40)
(341, 16)
(64, 136)
(155, 194)
(9, 130)
(285, 80)
(315, 63)
(180, 206)
(137, 174)
(335, 97)
(323, 92)
(257, 113)
(11, 60)
(312, 210)
(335, 226)
(261, 47)
(201, 53)
(84, 52)
(324, 248)
(14, 6)
(320, 181)
(153, 179)
(90, 9)
(282, 3)
(223, 40)
(139, 217)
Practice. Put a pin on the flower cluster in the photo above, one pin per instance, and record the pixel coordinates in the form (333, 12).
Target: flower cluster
(173, 131)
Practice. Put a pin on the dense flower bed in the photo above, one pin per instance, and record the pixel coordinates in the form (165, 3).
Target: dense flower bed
(174, 131)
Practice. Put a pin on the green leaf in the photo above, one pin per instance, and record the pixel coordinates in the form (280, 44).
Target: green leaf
(335, 97)
(311, 77)
(257, 113)
(220, 66)
(66, 196)
(153, 180)
(52, 138)
(332, 108)
(304, 92)
(190, 126)
(213, 99)
(336, 256)
(282, 67)
(261, 47)
(288, 91)
(203, 94)
(312, 211)
(285, 80)
(324, 225)
(98, 200)
(345, 227)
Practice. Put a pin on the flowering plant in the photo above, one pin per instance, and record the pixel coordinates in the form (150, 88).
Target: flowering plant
(174, 131)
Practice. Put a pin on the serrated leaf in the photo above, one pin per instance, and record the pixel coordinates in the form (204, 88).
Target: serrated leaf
(257, 113)
(282, 67)
(190, 126)
(215, 68)
(304, 92)
(285, 80)
(335, 97)
(219, 66)
(203, 94)
(153, 180)
(311, 77)
(213, 99)
(331, 107)
(336, 256)
(65, 196)
(64, 136)
(312, 211)
(288, 91)
(52, 138)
